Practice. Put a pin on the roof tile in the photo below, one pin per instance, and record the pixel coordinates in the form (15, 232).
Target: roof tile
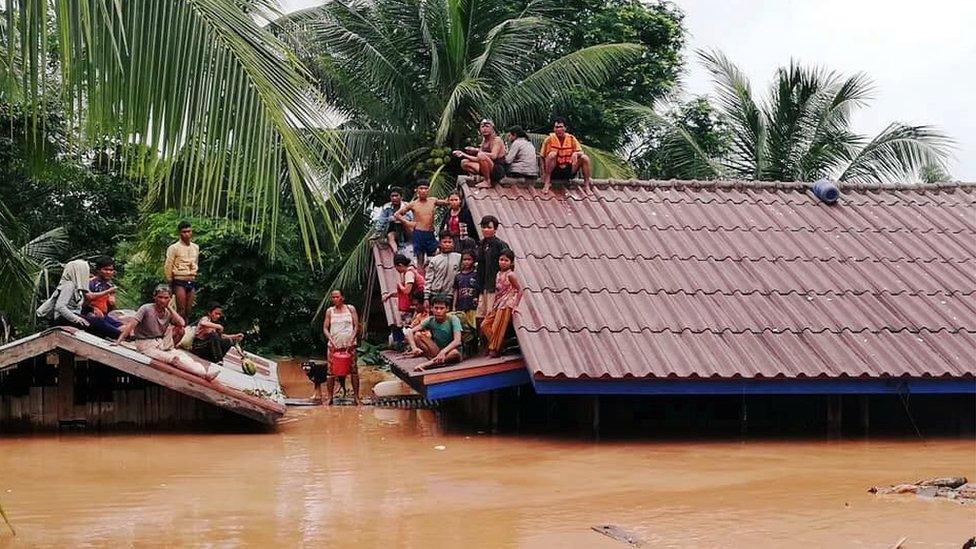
(734, 279)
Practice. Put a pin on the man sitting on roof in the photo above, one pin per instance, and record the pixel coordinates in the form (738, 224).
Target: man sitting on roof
(396, 232)
(443, 346)
(156, 328)
(209, 341)
(488, 161)
(563, 157)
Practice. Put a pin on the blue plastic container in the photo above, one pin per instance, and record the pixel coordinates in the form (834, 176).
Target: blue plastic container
(826, 190)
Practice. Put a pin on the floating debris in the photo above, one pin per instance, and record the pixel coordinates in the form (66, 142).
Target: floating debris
(951, 488)
(6, 520)
(619, 534)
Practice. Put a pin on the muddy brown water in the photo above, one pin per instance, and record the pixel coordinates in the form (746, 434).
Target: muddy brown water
(369, 477)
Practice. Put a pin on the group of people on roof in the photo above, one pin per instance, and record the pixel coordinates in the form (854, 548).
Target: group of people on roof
(561, 156)
(85, 298)
(450, 288)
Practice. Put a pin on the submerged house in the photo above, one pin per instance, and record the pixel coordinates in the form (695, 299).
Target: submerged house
(63, 377)
(725, 287)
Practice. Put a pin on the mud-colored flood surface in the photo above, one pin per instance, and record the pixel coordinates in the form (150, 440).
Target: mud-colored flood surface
(365, 477)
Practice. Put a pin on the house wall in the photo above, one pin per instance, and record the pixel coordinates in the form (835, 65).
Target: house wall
(61, 391)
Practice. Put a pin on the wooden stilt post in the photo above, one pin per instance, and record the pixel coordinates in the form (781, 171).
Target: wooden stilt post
(596, 417)
(834, 415)
(493, 395)
(518, 409)
(865, 413)
(744, 418)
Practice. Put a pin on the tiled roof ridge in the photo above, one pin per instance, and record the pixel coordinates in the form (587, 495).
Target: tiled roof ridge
(737, 228)
(810, 293)
(761, 185)
(728, 330)
(774, 200)
(758, 375)
(808, 258)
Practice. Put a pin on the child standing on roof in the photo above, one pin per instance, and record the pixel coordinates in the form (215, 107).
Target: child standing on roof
(424, 242)
(466, 300)
(410, 285)
(441, 269)
(457, 221)
(508, 294)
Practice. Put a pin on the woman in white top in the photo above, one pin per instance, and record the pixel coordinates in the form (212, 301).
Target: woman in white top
(340, 327)
(521, 159)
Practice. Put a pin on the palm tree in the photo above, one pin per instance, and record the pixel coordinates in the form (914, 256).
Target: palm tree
(23, 262)
(194, 95)
(801, 131)
(412, 78)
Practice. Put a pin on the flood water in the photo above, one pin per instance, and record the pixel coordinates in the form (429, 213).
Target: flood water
(365, 477)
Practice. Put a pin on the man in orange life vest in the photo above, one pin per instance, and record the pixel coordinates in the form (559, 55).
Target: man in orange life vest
(563, 157)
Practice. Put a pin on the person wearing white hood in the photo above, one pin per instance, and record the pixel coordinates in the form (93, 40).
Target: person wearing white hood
(63, 308)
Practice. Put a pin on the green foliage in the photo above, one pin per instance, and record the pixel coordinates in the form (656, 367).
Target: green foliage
(659, 153)
(368, 354)
(222, 104)
(47, 185)
(271, 299)
(656, 26)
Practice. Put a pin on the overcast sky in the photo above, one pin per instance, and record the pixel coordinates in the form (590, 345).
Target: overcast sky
(920, 55)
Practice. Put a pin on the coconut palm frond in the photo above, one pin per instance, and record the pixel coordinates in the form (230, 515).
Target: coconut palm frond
(748, 156)
(213, 110)
(472, 91)
(898, 153)
(355, 266)
(47, 247)
(505, 43)
(684, 153)
(592, 66)
(606, 165)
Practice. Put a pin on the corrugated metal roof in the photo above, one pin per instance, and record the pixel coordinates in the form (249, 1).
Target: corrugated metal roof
(388, 279)
(732, 279)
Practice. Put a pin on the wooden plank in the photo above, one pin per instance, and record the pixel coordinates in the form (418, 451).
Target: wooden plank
(35, 405)
(17, 352)
(65, 401)
(49, 417)
(439, 377)
(162, 374)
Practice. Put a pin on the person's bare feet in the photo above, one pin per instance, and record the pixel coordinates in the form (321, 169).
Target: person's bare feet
(414, 352)
(211, 375)
(587, 189)
(545, 188)
(483, 185)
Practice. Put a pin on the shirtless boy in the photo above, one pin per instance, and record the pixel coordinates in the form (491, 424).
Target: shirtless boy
(424, 241)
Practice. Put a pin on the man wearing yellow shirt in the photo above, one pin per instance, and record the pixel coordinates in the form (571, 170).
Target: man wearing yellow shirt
(563, 157)
(180, 268)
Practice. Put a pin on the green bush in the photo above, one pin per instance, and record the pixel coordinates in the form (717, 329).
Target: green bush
(272, 300)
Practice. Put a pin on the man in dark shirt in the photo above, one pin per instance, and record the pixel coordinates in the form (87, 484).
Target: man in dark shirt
(489, 248)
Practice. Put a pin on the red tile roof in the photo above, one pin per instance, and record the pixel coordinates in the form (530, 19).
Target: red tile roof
(731, 279)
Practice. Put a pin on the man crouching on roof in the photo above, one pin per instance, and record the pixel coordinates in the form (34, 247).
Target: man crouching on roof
(443, 346)
(155, 328)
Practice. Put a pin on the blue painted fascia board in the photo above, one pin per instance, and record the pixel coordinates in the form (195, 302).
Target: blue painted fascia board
(756, 386)
(479, 384)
